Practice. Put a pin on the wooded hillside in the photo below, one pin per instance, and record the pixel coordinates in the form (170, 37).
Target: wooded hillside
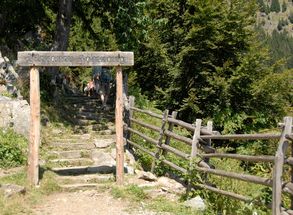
(202, 57)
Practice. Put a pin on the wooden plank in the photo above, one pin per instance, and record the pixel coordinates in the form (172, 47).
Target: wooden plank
(149, 139)
(158, 116)
(119, 127)
(152, 127)
(141, 148)
(175, 151)
(67, 58)
(174, 166)
(259, 158)
(170, 128)
(189, 126)
(160, 140)
(194, 150)
(241, 137)
(223, 192)
(34, 138)
(242, 177)
(278, 167)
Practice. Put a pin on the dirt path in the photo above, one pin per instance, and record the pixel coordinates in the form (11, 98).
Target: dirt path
(91, 202)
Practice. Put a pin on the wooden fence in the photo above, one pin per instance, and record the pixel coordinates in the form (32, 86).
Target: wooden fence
(199, 139)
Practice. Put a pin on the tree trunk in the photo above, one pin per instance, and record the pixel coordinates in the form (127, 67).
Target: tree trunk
(63, 25)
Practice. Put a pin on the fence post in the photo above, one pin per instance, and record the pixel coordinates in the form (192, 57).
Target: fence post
(127, 118)
(34, 138)
(119, 127)
(209, 142)
(194, 149)
(170, 128)
(278, 167)
(160, 141)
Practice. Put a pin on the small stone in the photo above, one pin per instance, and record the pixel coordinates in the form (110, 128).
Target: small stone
(148, 176)
(197, 203)
(12, 189)
(103, 143)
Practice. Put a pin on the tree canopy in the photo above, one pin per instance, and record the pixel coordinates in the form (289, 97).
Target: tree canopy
(201, 57)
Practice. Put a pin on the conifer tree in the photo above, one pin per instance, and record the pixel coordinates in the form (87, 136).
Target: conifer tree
(275, 6)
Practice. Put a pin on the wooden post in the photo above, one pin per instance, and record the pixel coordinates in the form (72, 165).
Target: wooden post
(170, 128)
(119, 127)
(278, 167)
(160, 141)
(194, 148)
(209, 142)
(34, 138)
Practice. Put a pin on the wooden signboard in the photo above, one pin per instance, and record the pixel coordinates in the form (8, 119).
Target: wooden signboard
(60, 58)
(35, 59)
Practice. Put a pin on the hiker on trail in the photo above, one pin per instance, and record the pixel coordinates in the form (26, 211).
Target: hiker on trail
(102, 78)
(90, 88)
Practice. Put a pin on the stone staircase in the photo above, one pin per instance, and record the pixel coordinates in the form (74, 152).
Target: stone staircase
(83, 154)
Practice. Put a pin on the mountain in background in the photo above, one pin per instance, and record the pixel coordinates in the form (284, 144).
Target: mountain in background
(275, 25)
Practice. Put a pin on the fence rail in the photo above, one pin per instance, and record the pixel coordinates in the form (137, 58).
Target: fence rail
(201, 151)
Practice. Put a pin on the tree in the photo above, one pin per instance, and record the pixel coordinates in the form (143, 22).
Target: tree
(284, 7)
(63, 24)
(275, 6)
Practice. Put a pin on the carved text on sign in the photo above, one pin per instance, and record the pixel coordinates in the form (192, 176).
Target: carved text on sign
(35, 58)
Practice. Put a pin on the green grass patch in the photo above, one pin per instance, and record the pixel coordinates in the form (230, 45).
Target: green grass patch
(13, 149)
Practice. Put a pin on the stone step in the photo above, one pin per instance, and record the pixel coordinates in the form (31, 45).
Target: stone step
(75, 187)
(87, 178)
(72, 154)
(71, 162)
(73, 146)
(86, 122)
(86, 116)
(81, 170)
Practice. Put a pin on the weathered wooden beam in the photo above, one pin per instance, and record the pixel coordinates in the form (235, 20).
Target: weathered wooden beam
(174, 166)
(189, 126)
(160, 140)
(241, 137)
(152, 127)
(119, 127)
(147, 112)
(242, 177)
(175, 151)
(289, 137)
(278, 167)
(223, 192)
(67, 58)
(149, 139)
(260, 158)
(34, 138)
(141, 148)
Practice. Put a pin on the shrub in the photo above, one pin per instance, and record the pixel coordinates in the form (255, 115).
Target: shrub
(290, 17)
(12, 149)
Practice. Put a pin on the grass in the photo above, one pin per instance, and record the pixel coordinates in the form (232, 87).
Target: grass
(137, 196)
(22, 204)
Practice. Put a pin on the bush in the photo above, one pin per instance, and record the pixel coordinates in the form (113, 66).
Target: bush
(290, 17)
(12, 149)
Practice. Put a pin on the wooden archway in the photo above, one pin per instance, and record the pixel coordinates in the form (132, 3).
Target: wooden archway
(35, 59)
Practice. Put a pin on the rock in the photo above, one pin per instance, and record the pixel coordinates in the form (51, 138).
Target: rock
(103, 162)
(129, 170)
(171, 185)
(103, 143)
(197, 203)
(130, 158)
(148, 176)
(12, 189)
(15, 114)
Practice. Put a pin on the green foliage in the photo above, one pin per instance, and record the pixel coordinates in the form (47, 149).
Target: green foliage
(275, 6)
(290, 17)
(282, 23)
(12, 149)
(284, 7)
